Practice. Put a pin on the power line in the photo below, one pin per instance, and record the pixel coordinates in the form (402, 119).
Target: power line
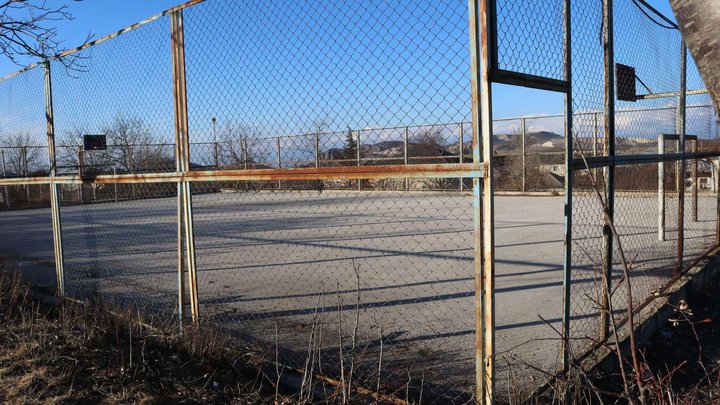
(642, 9)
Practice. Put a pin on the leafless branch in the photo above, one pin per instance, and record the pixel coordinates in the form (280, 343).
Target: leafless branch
(28, 29)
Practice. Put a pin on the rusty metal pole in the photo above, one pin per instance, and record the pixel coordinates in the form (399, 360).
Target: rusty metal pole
(317, 158)
(524, 154)
(609, 101)
(54, 200)
(406, 160)
(279, 159)
(180, 213)
(131, 169)
(680, 127)
(215, 143)
(694, 175)
(462, 152)
(4, 174)
(115, 185)
(183, 154)
(716, 169)
(26, 173)
(358, 157)
(481, 21)
(567, 260)
(596, 136)
(661, 189)
(81, 165)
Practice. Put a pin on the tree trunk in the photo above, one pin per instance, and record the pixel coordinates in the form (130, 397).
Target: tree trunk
(699, 22)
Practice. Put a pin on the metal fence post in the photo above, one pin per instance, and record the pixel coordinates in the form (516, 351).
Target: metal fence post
(26, 172)
(357, 149)
(524, 154)
(317, 158)
(406, 160)
(716, 169)
(609, 85)
(680, 127)
(661, 189)
(279, 159)
(243, 145)
(81, 165)
(481, 16)
(213, 120)
(462, 152)
(115, 186)
(182, 150)
(567, 260)
(4, 174)
(694, 175)
(54, 200)
(595, 134)
(595, 137)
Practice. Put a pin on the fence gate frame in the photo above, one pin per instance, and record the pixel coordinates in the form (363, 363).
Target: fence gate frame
(485, 71)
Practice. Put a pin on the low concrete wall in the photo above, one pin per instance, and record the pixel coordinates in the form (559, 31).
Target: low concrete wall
(655, 314)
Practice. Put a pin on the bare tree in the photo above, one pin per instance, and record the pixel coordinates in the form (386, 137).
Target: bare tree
(21, 156)
(132, 147)
(428, 142)
(26, 31)
(431, 137)
(68, 154)
(240, 146)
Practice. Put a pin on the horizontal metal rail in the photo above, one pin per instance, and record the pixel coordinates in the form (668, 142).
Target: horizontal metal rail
(670, 94)
(531, 81)
(626, 160)
(454, 170)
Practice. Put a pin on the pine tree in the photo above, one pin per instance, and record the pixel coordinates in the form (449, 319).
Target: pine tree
(350, 150)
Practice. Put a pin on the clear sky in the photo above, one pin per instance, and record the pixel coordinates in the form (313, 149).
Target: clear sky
(360, 64)
(101, 17)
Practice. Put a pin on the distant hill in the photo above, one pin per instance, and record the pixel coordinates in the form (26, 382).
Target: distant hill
(543, 141)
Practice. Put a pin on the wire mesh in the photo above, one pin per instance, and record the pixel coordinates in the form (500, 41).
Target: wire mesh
(530, 37)
(123, 253)
(288, 267)
(23, 136)
(318, 67)
(320, 84)
(123, 90)
(655, 56)
(119, 238)
(335, 270)
(31, 254)
(652, 205)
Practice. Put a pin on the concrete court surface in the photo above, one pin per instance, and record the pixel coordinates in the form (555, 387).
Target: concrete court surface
(288, 260)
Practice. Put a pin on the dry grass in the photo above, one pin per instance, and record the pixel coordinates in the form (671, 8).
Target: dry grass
(82, 354)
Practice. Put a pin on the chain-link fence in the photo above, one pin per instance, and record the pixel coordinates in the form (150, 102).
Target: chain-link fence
(318, 179)
(638, 170)
(287, 187)
(658, 190)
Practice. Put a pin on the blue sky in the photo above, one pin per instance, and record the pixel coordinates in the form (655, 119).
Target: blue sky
(97, 17)
(381, 74)
(101, 17)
